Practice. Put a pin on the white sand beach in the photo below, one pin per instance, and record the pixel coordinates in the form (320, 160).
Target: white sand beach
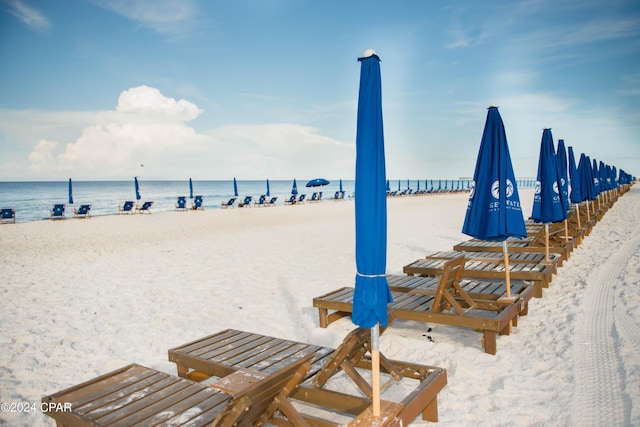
(79, 298)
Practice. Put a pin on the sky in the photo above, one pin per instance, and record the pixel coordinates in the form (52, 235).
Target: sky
(255, 89)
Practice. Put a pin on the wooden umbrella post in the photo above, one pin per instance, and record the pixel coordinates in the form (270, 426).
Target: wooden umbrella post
(375, 369)
(578, 214)
(546, 242)
(566, 230)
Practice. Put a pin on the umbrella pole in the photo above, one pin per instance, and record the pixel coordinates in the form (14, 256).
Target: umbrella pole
(578, 214)
(375, 369)
(566, 231)
(546, 242)
(588, 214)
(507, 276)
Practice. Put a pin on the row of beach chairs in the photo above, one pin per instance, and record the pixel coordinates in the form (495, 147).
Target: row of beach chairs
(466, 287)
(240, 378)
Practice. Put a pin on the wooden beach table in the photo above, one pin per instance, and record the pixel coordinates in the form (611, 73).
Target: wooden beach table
(540, 274)
(228, 351)
(514, 258)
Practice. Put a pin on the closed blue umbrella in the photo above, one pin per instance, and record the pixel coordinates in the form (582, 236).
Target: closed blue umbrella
(547, 206)
(563, 175)
(137, 187)
(268, 190)
(372, 291)
(235, 187)
(341, 190)
(493, 211)
(70, 193)
(547, 203)
(575, 196)
(294, 189)
(190, 189)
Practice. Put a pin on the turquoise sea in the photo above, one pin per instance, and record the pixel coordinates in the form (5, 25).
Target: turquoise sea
(33, 200)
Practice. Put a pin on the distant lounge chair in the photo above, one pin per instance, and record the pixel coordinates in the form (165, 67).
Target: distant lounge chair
(271, 202)
(8, 216)
(314, 198)
(246, 203)
(57, 212)
(301, 199)
(229, 204)
(181, 204)
(291, 200)
(127, 208)
(84, 211)
(198, 203)
(145, 208)
(338, 196)
(232, 351)
(260, 202)
(137, 395)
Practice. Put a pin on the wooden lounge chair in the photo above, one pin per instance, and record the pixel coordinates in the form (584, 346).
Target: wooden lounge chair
(138, 395)
(231, 350)
(291, 200)
(84, 211)
(57, 212)
(8, 216)
(260, 202)
(539, 273)
(486, 294)
(428, 305)
(527, 258)
(126, 208)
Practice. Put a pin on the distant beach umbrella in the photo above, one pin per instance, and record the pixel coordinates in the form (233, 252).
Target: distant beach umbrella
(268, 190)
(563, 174)
(575, 195)
(494, 211)
(399, 189)
(596, 176)
(137, 187)
(294, 189)
(190, 188)
(235, 187)
(341, 185)
(372, 293)
(317, 182)
(70, 192)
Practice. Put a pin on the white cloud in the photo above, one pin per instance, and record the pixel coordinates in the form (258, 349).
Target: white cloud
(149, 128)
(162, 16)
(28, 15)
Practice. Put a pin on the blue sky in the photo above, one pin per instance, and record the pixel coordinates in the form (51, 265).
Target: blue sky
(93, 89)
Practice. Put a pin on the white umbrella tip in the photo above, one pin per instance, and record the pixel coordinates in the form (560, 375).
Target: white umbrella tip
(369, 52)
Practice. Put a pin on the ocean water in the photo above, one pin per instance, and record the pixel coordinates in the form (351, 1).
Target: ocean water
(34, 200)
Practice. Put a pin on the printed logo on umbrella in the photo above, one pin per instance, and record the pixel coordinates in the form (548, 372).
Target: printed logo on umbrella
(495, 189)
(472, 190)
